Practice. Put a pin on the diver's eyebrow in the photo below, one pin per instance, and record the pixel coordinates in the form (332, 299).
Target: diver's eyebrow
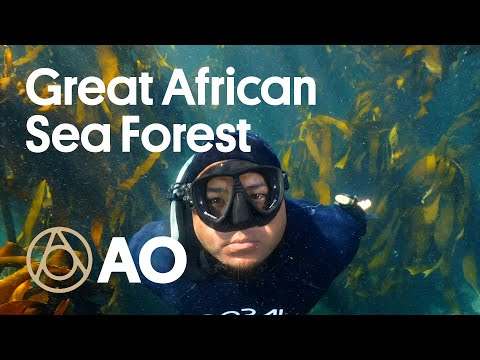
(255, 186)
(215, 189)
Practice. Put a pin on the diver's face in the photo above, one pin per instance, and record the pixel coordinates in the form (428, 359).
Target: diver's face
(245, 249)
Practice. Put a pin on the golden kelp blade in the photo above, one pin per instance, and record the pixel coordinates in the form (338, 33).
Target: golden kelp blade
(47, 201)
(115, 213)
(34, 212)
(423, 110)
(363, 105)
(393, 143)
(12, 261)
(322, 191)
(438, 265)
(465, 201)
(445, 174)
(109, 68)
(60, 258)
(20, 291)
(108, 62)
(31, 55)
(142, 67)
(393, 136)
(81, 113)
(21, 88)
(62, 307)
(431, 57)
(449, 294)
(342, 162)
(382, 256)
(386, 286)
(4, 83)
(376, 113)
(444, 224)
(7, 61)
(11, 282)
(326, 158)
(413, 49)
(449, 177)
(114, 304)
(323, 158)
(426, 97)
(45, 108)
(97, 230)
(313, 148)
(22, 308)
(470, 270)
(357, 166)
(362, 293)
(39, 295)
(159, 199)
(339, 124)
(473, 108)
(354, 275)
(286, 159)
(423, 171)
(421, 237)
(381, 239)
(432, 60)
(386, 233)
(109, 197)
(430, 212)
(163, 62)
(107, 111)
(373, 154)
(382, 205)
(11, 249)
(141, 170)
(298, 192)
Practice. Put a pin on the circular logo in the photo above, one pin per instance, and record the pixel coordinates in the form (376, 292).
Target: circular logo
(57, 233)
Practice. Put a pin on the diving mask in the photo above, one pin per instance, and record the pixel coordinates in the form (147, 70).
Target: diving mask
(235, 194)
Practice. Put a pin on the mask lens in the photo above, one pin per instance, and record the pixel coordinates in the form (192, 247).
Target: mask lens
(257, 190)
(218, 195)
(261, 187)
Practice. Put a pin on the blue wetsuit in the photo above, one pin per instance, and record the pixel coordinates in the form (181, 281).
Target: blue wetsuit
(319, 242)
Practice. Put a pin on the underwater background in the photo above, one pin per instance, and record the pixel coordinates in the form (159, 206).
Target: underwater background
(398, 124)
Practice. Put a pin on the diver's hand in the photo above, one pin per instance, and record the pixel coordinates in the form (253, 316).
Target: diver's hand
(349, 200)
(365, 204)
(351, 205)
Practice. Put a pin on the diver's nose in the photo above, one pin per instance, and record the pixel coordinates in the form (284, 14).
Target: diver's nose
(240, 211)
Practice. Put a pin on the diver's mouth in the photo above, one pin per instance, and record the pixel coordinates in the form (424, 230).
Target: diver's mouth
(243, 241)
(242, 245)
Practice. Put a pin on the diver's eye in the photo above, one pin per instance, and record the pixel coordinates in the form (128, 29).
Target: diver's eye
(216, 201)
(259, 200)
(217, 206)
(258, 197)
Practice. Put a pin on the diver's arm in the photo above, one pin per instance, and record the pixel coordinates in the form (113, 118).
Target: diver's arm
(348, 224)
(162, 259)
(351, 205)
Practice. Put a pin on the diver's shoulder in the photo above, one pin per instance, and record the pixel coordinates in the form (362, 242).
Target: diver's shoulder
(149, 231)
(154, 228)
(162, 259)
(300, 207)
(299, 204)
(314, 208)
(326, 215)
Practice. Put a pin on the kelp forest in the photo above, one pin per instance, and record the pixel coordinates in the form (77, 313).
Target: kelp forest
(396, 124)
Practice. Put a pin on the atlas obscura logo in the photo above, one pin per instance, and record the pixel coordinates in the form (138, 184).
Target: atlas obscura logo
(61, 280)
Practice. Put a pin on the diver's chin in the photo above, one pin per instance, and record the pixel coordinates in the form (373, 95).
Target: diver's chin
(238, 270)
